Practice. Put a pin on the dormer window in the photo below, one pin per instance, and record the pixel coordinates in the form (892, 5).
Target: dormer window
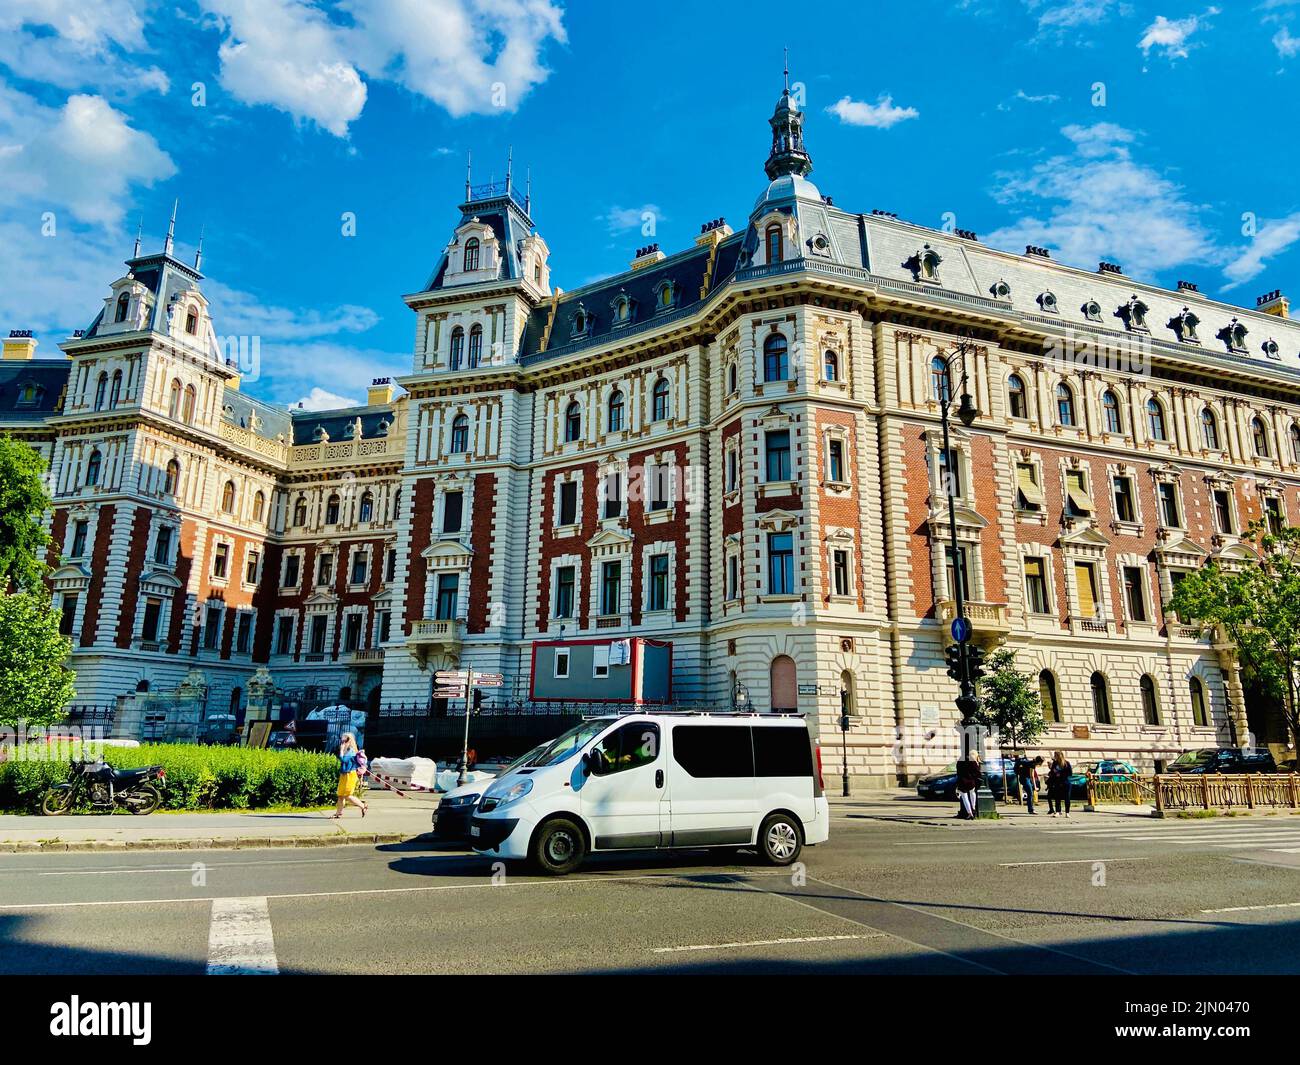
(1047, 301)
(471, 254)
(320, 436)
(1234, 335)
(666, 296)
(581, 322)
(1271, 350)
(191, 322)
(1001, 290)
(1092, 311)
(925, 265)
(623, 307)
(1184, 325)
(537, 274)
(123, 305)
(29, 395)
(1134, 314)
(774, 242)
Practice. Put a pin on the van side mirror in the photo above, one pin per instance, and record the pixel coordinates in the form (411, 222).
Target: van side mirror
(594, 760)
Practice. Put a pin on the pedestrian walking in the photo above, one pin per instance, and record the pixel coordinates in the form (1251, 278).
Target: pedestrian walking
(1058, 786)
(969, 777)
(348, 775)
(1027, 777)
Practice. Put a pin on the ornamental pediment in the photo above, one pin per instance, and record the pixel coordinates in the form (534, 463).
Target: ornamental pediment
(778, 520)
(608, 540)
(1086, 536)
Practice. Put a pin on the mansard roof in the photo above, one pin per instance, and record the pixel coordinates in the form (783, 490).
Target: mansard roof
(249, 412)
(338, 423)
(49, 376)
(165, 277)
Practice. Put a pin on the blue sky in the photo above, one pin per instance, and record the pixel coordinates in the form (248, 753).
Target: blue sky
(1154, 134)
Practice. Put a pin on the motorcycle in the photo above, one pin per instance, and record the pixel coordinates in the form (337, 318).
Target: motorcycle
(106, 788)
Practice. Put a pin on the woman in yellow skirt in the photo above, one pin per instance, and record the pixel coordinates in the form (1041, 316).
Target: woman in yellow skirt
(348, 775)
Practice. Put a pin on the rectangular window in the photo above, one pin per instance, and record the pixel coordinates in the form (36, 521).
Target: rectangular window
(780, 563)
(244, 633)
(835, 461)
(950, 472)
(613, 495)
(79, 539)
(733, 469)
(1133, 594)
(453, 506)
(220, 561)
(1273, 513)
(325, 571)
(840, 571)
(658, 476)
(568, 513)
(733, 577)
(448, 591)
(251, 564)
(352, 631)
(149, 624)
(964, 557)
(1169, 510)
(658, 583)
(67, 614)
(1223, 511)
(561, 663)
(390, 567)
(600, 661)
(291, 563)
(1124, 508)
(1036, 585)
(318, 625)
(283, 635)
(212, 627)
(385, 626)
(1029, 493)
(1085, 580)
(1078, 500)
(162, 546)
(778, 455)
(564, 578)
(611, 588)
(359, 566)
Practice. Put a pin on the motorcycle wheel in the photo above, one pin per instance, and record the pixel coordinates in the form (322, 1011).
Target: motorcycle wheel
(143, 800)
(58, 800)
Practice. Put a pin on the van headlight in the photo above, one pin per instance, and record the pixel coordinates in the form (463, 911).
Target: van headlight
(510, 794)
(461, 800)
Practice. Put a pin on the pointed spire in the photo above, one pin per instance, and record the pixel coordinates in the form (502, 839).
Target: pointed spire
(787, 70)
(469, 162)
(139, 230)
(788, 155)
(528, 191)
(171, 230)
(510, 167)
(198, 255)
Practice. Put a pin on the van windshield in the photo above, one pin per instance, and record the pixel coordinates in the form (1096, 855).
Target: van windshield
(575, 739)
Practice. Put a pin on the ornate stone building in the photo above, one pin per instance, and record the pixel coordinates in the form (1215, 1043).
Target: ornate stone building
(714, 478)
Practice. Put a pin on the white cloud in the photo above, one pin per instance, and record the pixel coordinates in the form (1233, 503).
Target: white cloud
(883, 114)
(1071, 14)
(1288, 47)
(241, 313)
(1170, 36)
(621, 219)
(290, 371)
(319, 399)
(1098, 203)
(1272, 239)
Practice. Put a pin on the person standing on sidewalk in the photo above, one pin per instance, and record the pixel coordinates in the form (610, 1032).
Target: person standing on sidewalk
(969, 777)
(1058, 785)
(348, 776)
(1027, 776)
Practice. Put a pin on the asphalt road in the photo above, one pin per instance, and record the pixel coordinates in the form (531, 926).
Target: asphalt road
(1219, 896)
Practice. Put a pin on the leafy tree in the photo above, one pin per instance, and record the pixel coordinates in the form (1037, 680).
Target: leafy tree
(1258, 607)
(1009, 703)
(23, 505)
(35, 684)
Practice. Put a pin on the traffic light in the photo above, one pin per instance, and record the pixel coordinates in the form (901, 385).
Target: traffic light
(478, 699)
(974, 662)
(952, 655)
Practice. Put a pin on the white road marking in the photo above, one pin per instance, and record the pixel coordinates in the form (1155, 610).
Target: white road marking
(240, 942)
(187, 868)
(943, 842)
(1263, 906)
(1074, 861)
(763, 943)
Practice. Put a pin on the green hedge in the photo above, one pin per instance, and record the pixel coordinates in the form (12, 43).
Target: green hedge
(198, 777)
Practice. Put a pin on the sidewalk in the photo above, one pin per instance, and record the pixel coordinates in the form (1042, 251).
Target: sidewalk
(897, 804)
(391, 818)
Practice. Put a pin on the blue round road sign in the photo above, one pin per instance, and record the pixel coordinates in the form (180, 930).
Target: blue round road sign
(961, 629)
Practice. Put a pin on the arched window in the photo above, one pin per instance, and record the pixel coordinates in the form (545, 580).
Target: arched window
(776, 358)
(659, 400)
(300, 513)
(1156, 419)
(1100, 700)
(733, 379)
(1017, 401)
(459, 434)
(457, 347)
(366, 509)
(1110, 410)
(115, 390)
(572, 422)
(848, 694)
(191, 323)
(1064, 405)
(332, 507)
(259, 506)
(187, 409)
(1047, 697)
(1210, 429)
(123, 304)
(940, 380)
(1197, 690)
(92, 468)
(1150, 708)
(831, 366)
(475, 346)
(397, 503)
(174, 401)
(471, 253)
(228, 498)
(785, 687)
(616, 411)
(1259, 434)
(172, 477)
(101, 391)
(774, 243)
(1295, 443)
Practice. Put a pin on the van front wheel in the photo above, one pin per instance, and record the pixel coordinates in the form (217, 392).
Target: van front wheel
(559, 847)
(780, 839)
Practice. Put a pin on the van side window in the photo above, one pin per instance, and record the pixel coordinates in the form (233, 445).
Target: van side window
(713, 750)
(782, 752)
(634, 744)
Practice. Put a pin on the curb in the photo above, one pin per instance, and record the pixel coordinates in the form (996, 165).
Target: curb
(238, 843)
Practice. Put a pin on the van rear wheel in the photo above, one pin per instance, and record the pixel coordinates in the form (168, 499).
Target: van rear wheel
(559, 847)
(780, 839)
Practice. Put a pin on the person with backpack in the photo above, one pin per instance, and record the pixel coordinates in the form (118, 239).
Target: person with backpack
(348, 776)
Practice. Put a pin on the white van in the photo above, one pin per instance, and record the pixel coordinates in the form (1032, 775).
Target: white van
(645, 781)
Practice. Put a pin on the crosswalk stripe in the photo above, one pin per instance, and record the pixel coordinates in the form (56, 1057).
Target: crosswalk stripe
(240, 942)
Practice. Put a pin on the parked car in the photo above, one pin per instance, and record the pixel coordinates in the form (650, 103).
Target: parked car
(1108, 769)
(456, 809)
(659, 781)
(1227, 760)
(943, 785)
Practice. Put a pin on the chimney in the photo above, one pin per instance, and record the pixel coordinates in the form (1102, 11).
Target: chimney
(1034, 251)
(1270, 303)
(713, 231)
(379, 392)
(1188, 286)
(1109, 268)
(647, 256)
(20, 345)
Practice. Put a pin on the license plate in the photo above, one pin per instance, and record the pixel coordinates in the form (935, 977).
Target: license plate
(473, 830)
